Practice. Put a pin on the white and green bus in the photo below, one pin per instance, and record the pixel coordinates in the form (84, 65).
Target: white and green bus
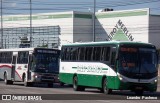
(29, 65)
(108, 66)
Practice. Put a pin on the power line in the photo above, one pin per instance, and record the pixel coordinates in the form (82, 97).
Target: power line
(99, 5)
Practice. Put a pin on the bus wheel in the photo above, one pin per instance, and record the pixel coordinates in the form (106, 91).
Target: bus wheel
(75, 84)
(61, 84)
(6, 80)
(26, 84)
(76, 87)
(105, 89)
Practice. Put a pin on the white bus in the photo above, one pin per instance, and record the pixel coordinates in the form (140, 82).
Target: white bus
(29, 65)
(110, 66)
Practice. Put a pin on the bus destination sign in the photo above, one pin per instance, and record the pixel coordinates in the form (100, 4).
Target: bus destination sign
(47, 51)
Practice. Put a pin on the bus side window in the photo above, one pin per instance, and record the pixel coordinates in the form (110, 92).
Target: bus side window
(74, 53)
(63, 53)
(88, 53)
(19, 58)
(105, 54)
(97, 53)
(78, 52)
(3, 57)
(113, 57)
(81, 53)
(0, 57)
(22, 57)
(8, 57)
(68, 54)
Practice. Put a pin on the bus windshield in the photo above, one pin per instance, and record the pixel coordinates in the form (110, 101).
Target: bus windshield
(147, 60)
(137, 60)
(45, 63)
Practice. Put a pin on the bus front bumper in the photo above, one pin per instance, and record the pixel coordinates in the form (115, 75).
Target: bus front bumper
(138, 86)
(45, 79)
(126, 83)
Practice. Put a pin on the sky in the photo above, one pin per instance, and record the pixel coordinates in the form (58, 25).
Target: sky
(18, 7)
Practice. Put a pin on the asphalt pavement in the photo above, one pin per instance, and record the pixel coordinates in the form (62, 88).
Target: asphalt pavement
(57, 94)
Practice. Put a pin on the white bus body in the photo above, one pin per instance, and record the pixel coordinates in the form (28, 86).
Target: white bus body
(29, 65)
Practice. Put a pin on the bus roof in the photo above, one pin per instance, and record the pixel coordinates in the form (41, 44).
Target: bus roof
(106, 42)
(23, 49)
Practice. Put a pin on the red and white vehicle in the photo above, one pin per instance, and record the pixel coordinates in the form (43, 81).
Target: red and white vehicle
(29, 65)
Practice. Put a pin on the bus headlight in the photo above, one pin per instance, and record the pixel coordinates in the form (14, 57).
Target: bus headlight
(36, 76)
(154, 81)
(121, 78)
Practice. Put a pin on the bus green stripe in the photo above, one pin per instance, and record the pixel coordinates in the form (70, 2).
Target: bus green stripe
(104, 68)
(74, 67)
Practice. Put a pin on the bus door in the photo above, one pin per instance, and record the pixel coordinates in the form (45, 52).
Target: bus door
(13, 68)
(112, 79)
(29, 67)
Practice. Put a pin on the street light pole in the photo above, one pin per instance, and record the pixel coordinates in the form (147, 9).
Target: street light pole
(30, 23)
(1, 26)
(94, 9)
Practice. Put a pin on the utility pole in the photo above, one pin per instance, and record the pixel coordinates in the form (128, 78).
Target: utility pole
(94, 9)
(1, 25)
(30, 23)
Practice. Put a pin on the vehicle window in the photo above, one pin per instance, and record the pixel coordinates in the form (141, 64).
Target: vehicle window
(23, 57)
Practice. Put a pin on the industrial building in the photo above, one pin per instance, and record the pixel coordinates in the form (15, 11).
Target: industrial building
(53, 29)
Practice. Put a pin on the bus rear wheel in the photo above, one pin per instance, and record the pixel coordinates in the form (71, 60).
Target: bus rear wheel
(6, 80)
(105, 89)
(76, 87)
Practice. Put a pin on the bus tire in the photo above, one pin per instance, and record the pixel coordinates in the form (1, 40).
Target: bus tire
(6, 81)
(26, 84)
(76, 87)
(105, 89)
(61, 84)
